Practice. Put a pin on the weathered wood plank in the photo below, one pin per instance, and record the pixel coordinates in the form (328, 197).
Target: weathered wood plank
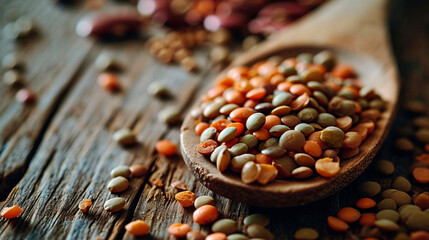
(52, 58)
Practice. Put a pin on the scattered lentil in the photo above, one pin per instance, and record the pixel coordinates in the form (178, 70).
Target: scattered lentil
(114, 204)
(179, 229)
(186, 198)
(84, 205)
(137, 228)
(118, 184)
(11, 212)
(306, 234)
(121, 170)
(227, 226)
(124, 137)
(205, 214)
(166, 147)
(138, 170)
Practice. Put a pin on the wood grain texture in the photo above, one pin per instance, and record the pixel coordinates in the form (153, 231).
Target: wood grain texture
(380, 74)
(74, 154)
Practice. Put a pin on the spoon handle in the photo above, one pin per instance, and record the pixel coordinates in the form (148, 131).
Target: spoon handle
(358, 26)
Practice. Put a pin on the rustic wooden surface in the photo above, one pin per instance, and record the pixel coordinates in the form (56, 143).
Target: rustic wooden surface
(59, 150)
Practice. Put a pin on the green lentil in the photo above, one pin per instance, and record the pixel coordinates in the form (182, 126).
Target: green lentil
(10, 61)
(12, 78)
(258, 231)
(321, 98)
(325, 58)
(118, 184)
(204, 200)
(209, 133)
(223, 159)
(388, 214)
(423, 135)
(386, 204)
(250, 140)
(292, 140)
(264, 107)
(347, 94)
(278, 130)
(227, 226)
(295, 79)
(305, 128)
(421, 122)
(285, 166)
(213, 109)
(407, 210)
(326, 120)
(311, 75)
(385, 167)
(106, 62)
(159, 89)
(214, 154)
(305, 58)
(418, 221)
(401, 184)
(401, 198)
(255, 121)
(377, 104)
(121, 170)
(257, 218)
(306, 234)
(274, 151)
(307, 114)
(370, 188)
(387, 225)
(124, 137)
(238, 162)
(333, 136)
(170, 115)
(238, 149)
(386, 193)
(227, 134)
(114, 204)
(282, 98)
(237, 236)
(404, 144)
(228, 108)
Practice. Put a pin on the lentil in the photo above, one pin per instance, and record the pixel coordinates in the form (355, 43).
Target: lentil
(385, 167)
(124, 137)
(250, 172)
(158, 89)
(259, 219)
(418, 221)
(227, 226)
(237, 236)
(337, 224)
(401, 198)
(166, 148)
(404, 144)
(195, 235)
(25, 96)
(84, 205)
(170, 115)
(348, 214)
(179, 229)
(12, 78)
(326, 167)
(204, 200)
(367, 219)
(402, 184)
(186, 198)
(258, 231)
(109, 81)
(106, 61)
(387, 225)
(179, 185)
(223, 159)
(114, 204)
(302, 172)
(365, 203)
(207, 147)
(421, 174)
(422, 200)
(118, 184)
(121, 170)
(138, 170)
(306, 234)
(388, 214)
(11, 212)
(386, 204)
(370, 188)
(216, 236)
(205, 214)
(137, 228)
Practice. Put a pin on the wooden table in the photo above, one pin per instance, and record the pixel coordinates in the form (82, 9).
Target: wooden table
(59, 150)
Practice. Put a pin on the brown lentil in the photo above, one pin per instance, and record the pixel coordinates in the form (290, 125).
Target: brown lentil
(114, 204)
(138, 170)
(118, 184)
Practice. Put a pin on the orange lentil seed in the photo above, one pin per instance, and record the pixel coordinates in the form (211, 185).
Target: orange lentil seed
(186, 198)
(137, 228)
(166, 147)
(11, 212)
(179, 229)
(337, 224)
(205, 214)
(84, 205)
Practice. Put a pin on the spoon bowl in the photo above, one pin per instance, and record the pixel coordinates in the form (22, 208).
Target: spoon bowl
(373, 70)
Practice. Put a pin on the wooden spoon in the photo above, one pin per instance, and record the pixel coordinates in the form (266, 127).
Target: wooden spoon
(356, 32)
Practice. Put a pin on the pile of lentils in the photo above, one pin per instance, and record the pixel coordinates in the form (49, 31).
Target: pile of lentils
(287, 118)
